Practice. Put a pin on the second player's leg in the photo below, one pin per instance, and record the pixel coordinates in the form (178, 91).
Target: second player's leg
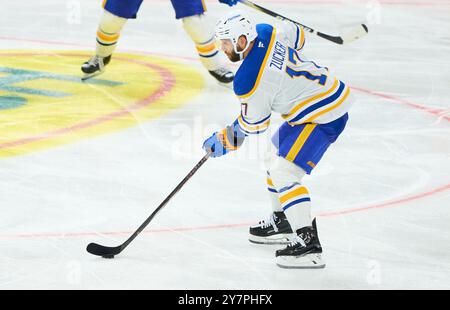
(201, 31)
(115, 15)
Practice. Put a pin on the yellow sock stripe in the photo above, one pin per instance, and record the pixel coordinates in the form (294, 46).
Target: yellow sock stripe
(319, 96)
(106, 37)
(104, 3)
(270, 182)
(297, 192)
(208, 48)
(347, 92)
(298, 144)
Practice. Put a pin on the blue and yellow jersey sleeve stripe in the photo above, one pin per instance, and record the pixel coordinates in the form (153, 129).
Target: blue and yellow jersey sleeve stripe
(253, 128)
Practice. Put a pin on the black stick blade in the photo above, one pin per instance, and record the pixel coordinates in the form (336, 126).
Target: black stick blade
(365, 28)
(337, 40)
(104, 251)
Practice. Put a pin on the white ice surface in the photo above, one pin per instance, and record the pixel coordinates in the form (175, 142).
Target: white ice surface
(392, 156)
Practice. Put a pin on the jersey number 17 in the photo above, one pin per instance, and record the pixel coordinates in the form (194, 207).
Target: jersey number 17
(293, 58)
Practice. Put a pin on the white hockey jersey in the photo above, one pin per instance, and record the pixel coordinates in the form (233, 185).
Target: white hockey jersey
(275, 76)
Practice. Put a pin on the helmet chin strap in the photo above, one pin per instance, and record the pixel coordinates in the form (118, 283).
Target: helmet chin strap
(241, 53)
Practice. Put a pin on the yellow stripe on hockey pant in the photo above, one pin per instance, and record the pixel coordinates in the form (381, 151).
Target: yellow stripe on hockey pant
(316, 97)
(107, 38)
(347, 92)
(263, 65)
(299, 191)
(300, 142)
(104, 3)
(206, 48)
(204, 5)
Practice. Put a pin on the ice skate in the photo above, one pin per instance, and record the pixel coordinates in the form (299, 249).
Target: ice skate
(94, 66)
(274, 230)
(223, 75)
(304, 250)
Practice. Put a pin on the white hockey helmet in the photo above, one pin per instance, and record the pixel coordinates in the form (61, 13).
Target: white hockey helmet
(234, 25)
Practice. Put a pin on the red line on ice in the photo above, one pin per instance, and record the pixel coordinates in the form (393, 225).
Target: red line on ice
(389, 203)
(441, 113)
(221, 226)
(90, 46)
(119, 233)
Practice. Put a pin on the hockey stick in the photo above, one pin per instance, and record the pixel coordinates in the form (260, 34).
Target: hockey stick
(110, 252)
(356, 33)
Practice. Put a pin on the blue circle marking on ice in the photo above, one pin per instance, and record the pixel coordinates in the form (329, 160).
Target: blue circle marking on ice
(11, 102)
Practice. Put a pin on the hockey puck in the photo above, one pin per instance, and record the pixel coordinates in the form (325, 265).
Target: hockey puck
(108, 256)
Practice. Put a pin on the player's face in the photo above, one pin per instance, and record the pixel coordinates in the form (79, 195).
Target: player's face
(228, 48)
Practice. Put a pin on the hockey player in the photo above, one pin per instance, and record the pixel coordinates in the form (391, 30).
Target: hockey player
(275, 76)
(191, 12)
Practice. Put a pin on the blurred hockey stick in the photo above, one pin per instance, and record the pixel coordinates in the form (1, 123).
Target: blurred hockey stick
(354, 34)
(110, 252)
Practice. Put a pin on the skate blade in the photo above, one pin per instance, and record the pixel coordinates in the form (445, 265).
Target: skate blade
(309, 261)
(280, 239)
(88, 76)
